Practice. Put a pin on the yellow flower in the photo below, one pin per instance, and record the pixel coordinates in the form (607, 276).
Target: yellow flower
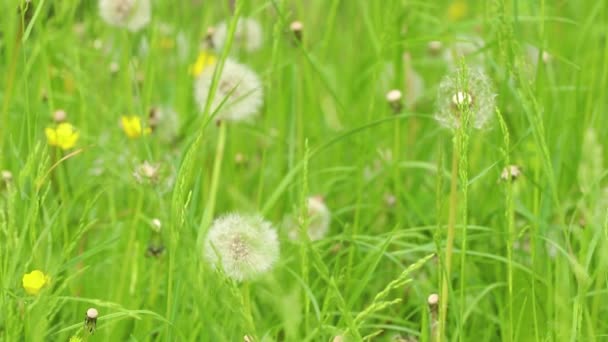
(34, 281)
(63, 135)
(204, 60)
(457, 10)
(133, 127)
(75, 338)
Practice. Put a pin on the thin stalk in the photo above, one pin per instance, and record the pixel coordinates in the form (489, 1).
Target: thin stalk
(248, 311)
(443, 299)
(215, 178)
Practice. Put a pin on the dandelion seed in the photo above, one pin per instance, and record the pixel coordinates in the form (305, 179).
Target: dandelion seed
(239, 92)
(131, 14)
(90, 320)
(318, 220)
(59, 116)
(242, 246)
(248, 35)
(510, 173)
(470, 93)
(146, 173)
(64, 135)
(133, 127)
(34, 281)
(203, 61)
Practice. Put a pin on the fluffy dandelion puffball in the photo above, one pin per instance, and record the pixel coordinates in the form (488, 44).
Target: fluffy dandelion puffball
(318, 220)
(248, 35)
(467, 47)
(465, 92)
(34, 281)
(239, 93)
(131, 14)
(242, 246)
(64, 135)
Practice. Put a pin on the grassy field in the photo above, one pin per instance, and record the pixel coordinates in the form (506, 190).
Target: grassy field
(116, 166)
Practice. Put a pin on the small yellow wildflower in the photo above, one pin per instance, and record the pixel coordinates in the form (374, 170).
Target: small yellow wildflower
(34, 281)
(75, 338)
(457, 10)
(63, 135)
(133, 127)
(203, 61)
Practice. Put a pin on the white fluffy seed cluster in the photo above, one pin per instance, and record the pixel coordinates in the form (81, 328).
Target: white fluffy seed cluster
(318, 220)
(248, 35)
(130, 14)
(471, 92)
(243, 247)
(239, 94)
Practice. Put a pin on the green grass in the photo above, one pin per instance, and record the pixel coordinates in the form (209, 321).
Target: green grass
(530, 258)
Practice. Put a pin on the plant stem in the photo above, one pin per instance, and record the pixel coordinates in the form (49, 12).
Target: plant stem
(215, 180)
(443, 299)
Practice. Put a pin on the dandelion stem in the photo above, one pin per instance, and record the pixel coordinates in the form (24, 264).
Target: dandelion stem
(248, 312)
(449, 245)
(215, 179)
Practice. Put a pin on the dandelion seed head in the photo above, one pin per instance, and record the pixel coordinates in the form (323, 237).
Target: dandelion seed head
(465, 47)
(130, 14)
(248, 35)
(6, 176)
(434, 47)
(318, 220)
(433, 299)
(471, 92)
(242, 246)
(394, 95)
(146, 172)
(239, 92)
(92, 313)
(510, 173)
(59, 116)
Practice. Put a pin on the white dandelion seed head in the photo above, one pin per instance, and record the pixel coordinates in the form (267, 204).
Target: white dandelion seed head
(394, 95)
(92, 313)
(242, 246)
(239, 92)
(131, 14)
(318, 220)
(467, 47)
(248, 35)
(510, 173)
(472, 92)
(165, 122)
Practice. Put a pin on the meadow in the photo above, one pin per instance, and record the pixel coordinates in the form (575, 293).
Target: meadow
(303, 170)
